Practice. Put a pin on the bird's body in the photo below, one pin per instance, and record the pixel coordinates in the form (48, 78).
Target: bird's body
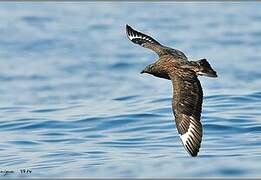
(187, 92)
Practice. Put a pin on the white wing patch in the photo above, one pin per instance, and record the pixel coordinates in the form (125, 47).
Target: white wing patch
(131, 37)
(134, 35)
(185, 136)
(189, 140)
(138, 36)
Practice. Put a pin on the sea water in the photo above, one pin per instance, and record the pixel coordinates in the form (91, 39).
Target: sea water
(74, 104)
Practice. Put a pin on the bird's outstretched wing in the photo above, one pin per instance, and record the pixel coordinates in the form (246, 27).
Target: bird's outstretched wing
(144, 40)
(150, 43)
(139, 38)
(187, 103)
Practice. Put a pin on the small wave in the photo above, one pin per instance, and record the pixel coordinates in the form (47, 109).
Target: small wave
(126, 98)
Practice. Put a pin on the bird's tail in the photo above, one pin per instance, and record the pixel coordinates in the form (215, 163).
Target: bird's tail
(204, 68)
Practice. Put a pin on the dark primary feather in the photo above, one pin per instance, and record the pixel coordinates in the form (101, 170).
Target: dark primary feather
(138, 37)
(150, 43)
(187, 103)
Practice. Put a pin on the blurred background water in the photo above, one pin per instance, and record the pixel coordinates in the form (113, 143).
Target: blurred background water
(74, 104)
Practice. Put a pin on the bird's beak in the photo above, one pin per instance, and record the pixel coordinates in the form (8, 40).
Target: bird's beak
(145, 70)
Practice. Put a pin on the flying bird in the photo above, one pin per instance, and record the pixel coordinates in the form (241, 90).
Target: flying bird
(187, 92)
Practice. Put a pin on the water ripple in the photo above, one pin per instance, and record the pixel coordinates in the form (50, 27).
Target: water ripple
(73, 101)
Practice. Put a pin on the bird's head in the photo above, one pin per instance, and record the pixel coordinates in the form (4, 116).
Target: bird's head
(148, 69)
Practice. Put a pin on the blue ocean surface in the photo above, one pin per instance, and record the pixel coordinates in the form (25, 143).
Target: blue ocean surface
(74, 104)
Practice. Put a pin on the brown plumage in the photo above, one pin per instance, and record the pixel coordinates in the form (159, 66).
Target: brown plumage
(187, 92)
